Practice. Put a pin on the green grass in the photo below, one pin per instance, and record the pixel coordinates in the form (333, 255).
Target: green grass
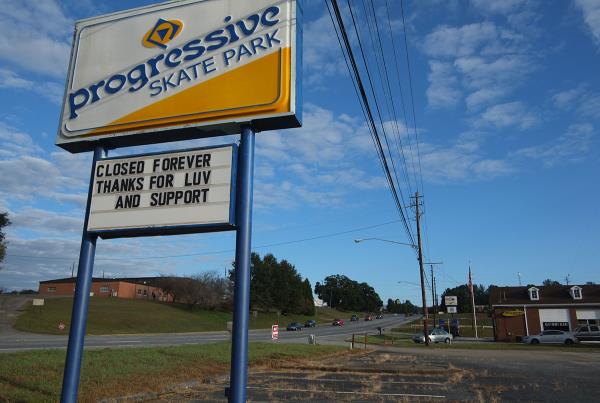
(123, 316)
(36, 376)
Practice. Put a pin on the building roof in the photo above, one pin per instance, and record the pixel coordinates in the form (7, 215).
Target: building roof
(134, 280)
(556, 294)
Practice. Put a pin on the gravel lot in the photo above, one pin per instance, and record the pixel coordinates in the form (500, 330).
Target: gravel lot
(393, 375)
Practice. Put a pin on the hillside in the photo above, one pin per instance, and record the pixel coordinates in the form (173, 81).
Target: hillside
(122, 316)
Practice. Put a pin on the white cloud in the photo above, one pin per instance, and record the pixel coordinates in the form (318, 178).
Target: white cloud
(591, 15)
(47, 221)
(443, 90)
(450, 42)
(572, 146)
(479, 62)
(35, 36)
(50, 90)
(457, 163)
(581, 99)
(507, 115)
(322, 54)
(503, 7)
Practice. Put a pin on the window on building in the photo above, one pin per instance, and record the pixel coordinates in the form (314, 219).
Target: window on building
(534, 294)
(145, 292)
(139, 292)
(104, 289)
(51, 289)
(576, 292)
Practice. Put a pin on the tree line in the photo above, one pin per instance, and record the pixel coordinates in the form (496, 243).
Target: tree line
(341, 292)
(276, 285)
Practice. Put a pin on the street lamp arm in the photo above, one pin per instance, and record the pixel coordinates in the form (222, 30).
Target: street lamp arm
(385, 240)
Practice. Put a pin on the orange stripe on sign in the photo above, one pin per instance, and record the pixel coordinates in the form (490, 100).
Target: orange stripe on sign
(262, 86)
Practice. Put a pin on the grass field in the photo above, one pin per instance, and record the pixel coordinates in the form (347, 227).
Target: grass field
(36, 376)
(123, 316)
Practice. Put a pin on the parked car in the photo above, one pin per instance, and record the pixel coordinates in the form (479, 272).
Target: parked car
(368, 318)
(380, 316)
(588, 333)
(294, 326)
(338, 322)
(310, 323)
(353, 318)
(551, 337)
(436, 335)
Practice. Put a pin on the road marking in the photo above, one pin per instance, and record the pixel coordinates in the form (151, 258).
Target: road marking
(351, 380)
(348, 393)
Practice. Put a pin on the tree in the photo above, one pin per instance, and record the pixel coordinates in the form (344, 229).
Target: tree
(342, 292)
(205, 291)
(550, 283)
(397, 306)
(276, 285)
(481, 293)
(4, 222)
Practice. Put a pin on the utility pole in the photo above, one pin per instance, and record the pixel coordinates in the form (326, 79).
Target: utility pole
(433, 297)
(434, 292)
(423, 297)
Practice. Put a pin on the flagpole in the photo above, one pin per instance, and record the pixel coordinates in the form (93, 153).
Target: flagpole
(473, 303)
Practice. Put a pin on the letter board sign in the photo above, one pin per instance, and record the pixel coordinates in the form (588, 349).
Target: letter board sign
(182, 70)
(164, 193)
(450, 300)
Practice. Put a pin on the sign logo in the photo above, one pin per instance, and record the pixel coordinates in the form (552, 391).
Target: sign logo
(164, 31)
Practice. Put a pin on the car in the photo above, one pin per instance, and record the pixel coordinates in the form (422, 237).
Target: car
(294, 326)
(551, 337)
(353, 318)
(588, 333)
(436, 335)
(338, 322)
(310, 323)
(380, 316)
(368, 318)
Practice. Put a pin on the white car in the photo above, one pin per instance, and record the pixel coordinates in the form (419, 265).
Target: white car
(551, 337)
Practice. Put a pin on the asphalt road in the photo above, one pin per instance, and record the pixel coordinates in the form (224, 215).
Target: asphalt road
(325, 334)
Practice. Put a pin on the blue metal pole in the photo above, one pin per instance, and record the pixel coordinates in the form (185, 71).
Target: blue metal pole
(241, 296)
(81, 300)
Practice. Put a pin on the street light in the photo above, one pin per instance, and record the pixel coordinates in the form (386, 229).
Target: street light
(385, 240)
(420, 259)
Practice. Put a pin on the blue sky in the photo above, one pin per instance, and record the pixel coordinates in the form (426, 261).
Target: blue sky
(507, 101)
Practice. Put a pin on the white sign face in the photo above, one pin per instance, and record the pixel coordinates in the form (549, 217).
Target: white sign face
(38, 302)
(151, 194)
(451, 309)
(215, 64)
(275, 332)
(450, 300)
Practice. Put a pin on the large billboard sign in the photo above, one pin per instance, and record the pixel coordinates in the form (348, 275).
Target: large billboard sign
(181, 70)
(168, 193)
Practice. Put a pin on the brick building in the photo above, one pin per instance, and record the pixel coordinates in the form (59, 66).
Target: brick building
(523, 311)
(130, 288)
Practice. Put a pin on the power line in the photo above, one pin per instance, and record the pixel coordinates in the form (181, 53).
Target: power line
(399, 147)
(370, 119)
(330, 235)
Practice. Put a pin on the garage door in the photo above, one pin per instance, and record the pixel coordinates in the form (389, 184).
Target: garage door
(588, 317)
(555, 319)
(587, 314)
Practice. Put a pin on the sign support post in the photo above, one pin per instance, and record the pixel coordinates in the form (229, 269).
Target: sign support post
(241, 297)
(82, 298)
